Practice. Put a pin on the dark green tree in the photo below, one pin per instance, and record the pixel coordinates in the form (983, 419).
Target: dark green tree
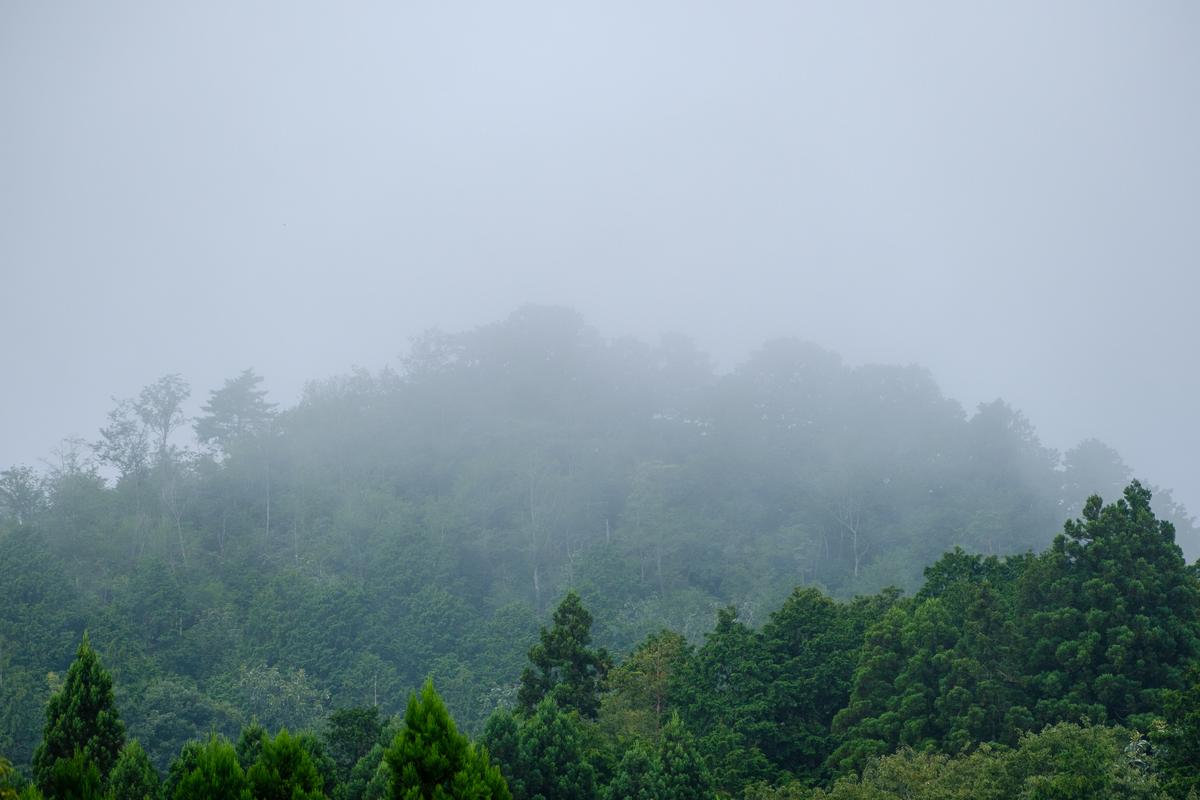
(1114, 613)
(284, 771)
(81, 719)
(563, 666)
(133, 777)
(639, 775)
(250, 743)
(208, 771)
(431, 760)
(74, 778)
(1176, 738)
(685, 775)
(237, 410)
(542, 755)
(350, 734)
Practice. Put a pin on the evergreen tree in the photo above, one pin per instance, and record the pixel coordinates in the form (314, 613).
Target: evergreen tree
(639, 776)
(208, 771)
(81, 719)
(563, 666)
(285, 771)
(350, 734)
(133, 777)
(543, 755)
(74, 778)
(1114, 612)
(685, 775)
(431, 760)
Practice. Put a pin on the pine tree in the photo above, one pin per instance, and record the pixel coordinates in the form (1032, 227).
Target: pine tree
(284, 771)
(685, 775)
(133, 777)
(431, 760)
(543, 755)
(80, 719)
(562, 664)
(639, 776)
(209, 771)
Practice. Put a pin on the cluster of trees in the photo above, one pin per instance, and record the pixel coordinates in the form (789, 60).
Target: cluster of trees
(1073, 673)
(277, 564)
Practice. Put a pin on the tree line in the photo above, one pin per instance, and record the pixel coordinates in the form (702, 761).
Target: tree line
(1073, 673)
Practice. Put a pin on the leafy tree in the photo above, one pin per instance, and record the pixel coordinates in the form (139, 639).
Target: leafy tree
(431, 760)
(160, 408)
(284, 771)
(562, 665)
(82, 722)
(133, 777)
(21, 494)
(638, 702)
(1176, 738)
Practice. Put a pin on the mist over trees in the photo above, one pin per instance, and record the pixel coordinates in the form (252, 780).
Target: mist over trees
(284, 564)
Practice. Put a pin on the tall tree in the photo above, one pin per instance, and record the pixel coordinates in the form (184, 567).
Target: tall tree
(237, 410)
(562, 665)
(160, 407)
(80, 719)
(431, 760)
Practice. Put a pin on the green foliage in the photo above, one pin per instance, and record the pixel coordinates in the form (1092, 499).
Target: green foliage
(562, 666)
(207, 771)
(350, 734)
(685, 776)
(1176, 738)
(74, 778)
(1115, 614)
(543, 755)
(285, 770)
(430, 760)
(133, 777)
(639, 775)
(82, 725)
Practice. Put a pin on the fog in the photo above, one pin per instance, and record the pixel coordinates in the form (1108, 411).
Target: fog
(1008, 194)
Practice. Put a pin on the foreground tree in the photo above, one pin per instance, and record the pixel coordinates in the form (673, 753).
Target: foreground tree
(542, 755)
(208, 771)
(285, 771)
(133, 777)
(81, 720)
(431, 760)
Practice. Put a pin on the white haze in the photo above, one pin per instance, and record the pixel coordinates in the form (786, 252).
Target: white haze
(1007, 193)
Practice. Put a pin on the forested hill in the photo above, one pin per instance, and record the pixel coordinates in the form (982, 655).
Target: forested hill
(398, 524)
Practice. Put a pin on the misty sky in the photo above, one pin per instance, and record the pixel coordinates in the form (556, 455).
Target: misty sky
(1007, 193)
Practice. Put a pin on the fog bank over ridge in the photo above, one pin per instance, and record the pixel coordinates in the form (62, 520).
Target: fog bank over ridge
(1007, 197)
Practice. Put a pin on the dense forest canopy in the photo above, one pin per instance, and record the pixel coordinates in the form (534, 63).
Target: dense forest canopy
(270, 566)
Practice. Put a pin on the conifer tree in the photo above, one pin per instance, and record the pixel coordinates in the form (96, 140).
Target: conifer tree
(284, 771)
(133, 777)
(543, 755)
(685, 775)
(80, 719)
(431, 760)
(212, 772)
(639, 776)
(562, 664)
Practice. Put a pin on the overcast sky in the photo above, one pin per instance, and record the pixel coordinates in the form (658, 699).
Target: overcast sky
(1007, 193)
